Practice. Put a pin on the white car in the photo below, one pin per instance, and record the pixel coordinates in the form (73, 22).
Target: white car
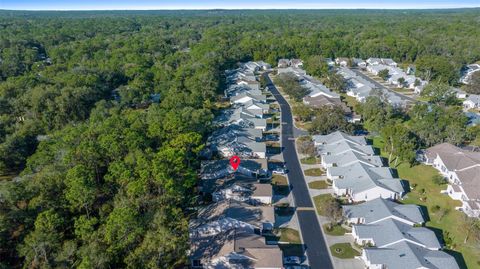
(280, 171)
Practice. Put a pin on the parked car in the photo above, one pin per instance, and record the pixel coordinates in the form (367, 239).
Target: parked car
(291, 260)
(280, 171)
(271, 137)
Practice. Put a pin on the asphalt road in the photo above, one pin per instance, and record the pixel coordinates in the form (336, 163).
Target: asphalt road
(313, 237)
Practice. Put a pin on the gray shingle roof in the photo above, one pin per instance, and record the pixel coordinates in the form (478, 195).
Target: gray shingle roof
(404, 255)
(379, 209)
(344, 146)
(350, 157)
(339, 136)
(360, 177)
(390, 231)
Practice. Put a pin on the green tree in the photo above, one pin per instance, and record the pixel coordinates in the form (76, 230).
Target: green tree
(440, 93)
(384, 74)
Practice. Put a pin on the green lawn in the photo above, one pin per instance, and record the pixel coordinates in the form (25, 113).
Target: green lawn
(315, 172)
(336, 230)
(427, 193)
(310, 160)
(321, 200)
(289, 235)
(343, 251)
(319, 184)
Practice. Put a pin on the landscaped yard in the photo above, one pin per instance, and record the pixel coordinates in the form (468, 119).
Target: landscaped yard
(335, 230)
(319, 184)
(320, 201)
(447, 219)
(315, 172)
(343, 251)
(309, 160)
(289, 235)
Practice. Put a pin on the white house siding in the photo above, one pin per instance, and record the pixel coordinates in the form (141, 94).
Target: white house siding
(453, 194)
(374, 193)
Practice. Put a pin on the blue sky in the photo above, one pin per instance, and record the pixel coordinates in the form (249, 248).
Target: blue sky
(228, 4)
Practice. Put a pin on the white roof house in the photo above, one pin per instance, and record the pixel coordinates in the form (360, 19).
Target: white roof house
(380, 209)
(403, 255)
(338, 136)
(472, 101)
(343, 147)
(384, 233)
(350, 157)
(360, 182)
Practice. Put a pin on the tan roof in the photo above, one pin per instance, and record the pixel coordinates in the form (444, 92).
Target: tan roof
(454, 157)
(253, 246)
(470, 182)
(473, 205)
(262, 190)
(465, 164)
(322, 100)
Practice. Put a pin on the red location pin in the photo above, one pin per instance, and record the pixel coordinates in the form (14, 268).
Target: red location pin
(235, 162)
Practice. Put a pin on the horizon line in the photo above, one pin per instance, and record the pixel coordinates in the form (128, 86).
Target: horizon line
(252, 9)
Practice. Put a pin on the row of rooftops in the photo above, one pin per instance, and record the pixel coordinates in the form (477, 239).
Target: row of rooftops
(398, 241)
(360, 88)
(390, 227)
(228, 233)
(353, 166)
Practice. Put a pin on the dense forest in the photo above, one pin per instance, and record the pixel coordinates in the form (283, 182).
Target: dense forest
(98, 172)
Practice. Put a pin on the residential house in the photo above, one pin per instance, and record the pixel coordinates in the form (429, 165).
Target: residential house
(251, 66)
(316, 88)
(342, 61)
(384, 233)
(459, 93)
(380, 209)
(234, 248)
(342, 147)
(360, 182)
(256, 108)
(462, 170)
(374, 61)
(472, 102)
(293, 70)
(253, 193)
(350, 157)
(403, 255)
(243, 142)
(252, 84)
(297, 63)
(338, 136)
(389, 62)
(260, 218)
(216, 169)
(234, 90)
(283, 63)
(330, 62)
(357, 62)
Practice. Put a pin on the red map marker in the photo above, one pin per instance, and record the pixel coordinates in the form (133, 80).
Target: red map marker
(235, 162)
